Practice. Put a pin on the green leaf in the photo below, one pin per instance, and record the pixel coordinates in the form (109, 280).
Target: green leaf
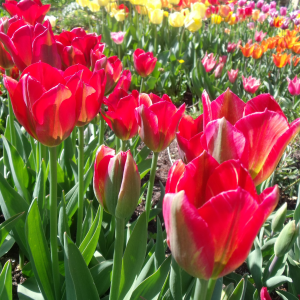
(18, 169)
(175, 281)
(142, 155)
(274, 282)
(29, 290)
(294, 273)
(63, 225)
(286, 296)
(152, 286)
(228, 290)
(89, 244)
(159, 246)
(239, 291)
(40, 189)
(6, 282)
(11, 204)
(7, 245)
(79, 281)
(218, 289)
(134, 255)
(101, 276)
(8, 225)
(254, 262)
(39, 252)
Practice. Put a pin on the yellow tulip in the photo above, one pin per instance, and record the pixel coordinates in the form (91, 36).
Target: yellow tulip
(174, 2)
(83, 3)
(93, 6)
(110, 7)
(233, 20)
(166, 14)
(176, 19)
(227, 19)
(185, 12)
(156, 16)
(103, 2)
(199, 9)
(137, 2)
(255, 14)
(192, 22)
(153, 4)
(215, 19)
(142, 10)
(119, 14)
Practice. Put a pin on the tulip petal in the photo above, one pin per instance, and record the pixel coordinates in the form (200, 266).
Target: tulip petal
(188, 236)
(29, 10)
(72, 56)
(229, 176)
(148, 123)
(227, 215)
(188, 127)
(44, 49)
(103, 156)
(223, 141)
(269, 200)
(42, 13)
(262, 102)
(228, 105)
(55, 115)
(130, 188)
(276, 152)
(195, 177)
(261, 131)
(174, 175)
(207, 114)
(85, 75)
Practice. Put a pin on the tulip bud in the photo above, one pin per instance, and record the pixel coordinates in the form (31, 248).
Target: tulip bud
(116, 182)
(286, 239)
(279, 218)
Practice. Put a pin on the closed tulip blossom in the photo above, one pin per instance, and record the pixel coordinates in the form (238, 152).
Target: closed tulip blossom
(259, 4)
(231, 47)
(144, 62)
(232, 75)
(188, 138)
(259, 36)
(250, 25)
(256, 133)
(264, 295)
(30, 44)
(212, 214)
(43, 104)
(155, 129)
(251, 84)
(218, 70)
(75, 46)
(156, 16)
(294, 86)
(32, 11)
(283, 11)
(116, 182)
(265, 8)
(113, 68)
(88, 89)
(176, 19)
(209, 62)
(118, 37)
(121, 113)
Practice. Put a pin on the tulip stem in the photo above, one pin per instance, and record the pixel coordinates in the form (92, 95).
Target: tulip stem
(155, 39)
(80, 183)
(123, 145)
(141, 87)
(118, 254)
(43, 154)
(204, 289)
(11, 117)
(181, 39)
(53, 220)
(151, 184)
(272, 265)
(101, 131)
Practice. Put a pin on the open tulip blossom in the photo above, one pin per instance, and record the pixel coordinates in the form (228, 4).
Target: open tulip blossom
(251, 84)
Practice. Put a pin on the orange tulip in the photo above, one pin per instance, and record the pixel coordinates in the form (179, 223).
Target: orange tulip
(296, 48)
(265, 45)
(296, 60)
(224, 11)
(279, 49)
(280, 60)
(247, 50)
(257, 52)
(255, 14)
(272, 43)
(290, 41)
(278, 22)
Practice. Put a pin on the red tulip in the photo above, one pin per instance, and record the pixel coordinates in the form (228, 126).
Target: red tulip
(43, 104)
(144, 62)
(116, 182)
(113, 69)
(88, 89)
(75, 46)
(264, 295)
(212, 214)
(124, 81)
(232, 75)
(209, 62)
(188, 137)
(30, 44)
(121, 113)
(158, 119)
(96, 54)
(294, 86)
(32, 11)
(256, 133)
(251, 84)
